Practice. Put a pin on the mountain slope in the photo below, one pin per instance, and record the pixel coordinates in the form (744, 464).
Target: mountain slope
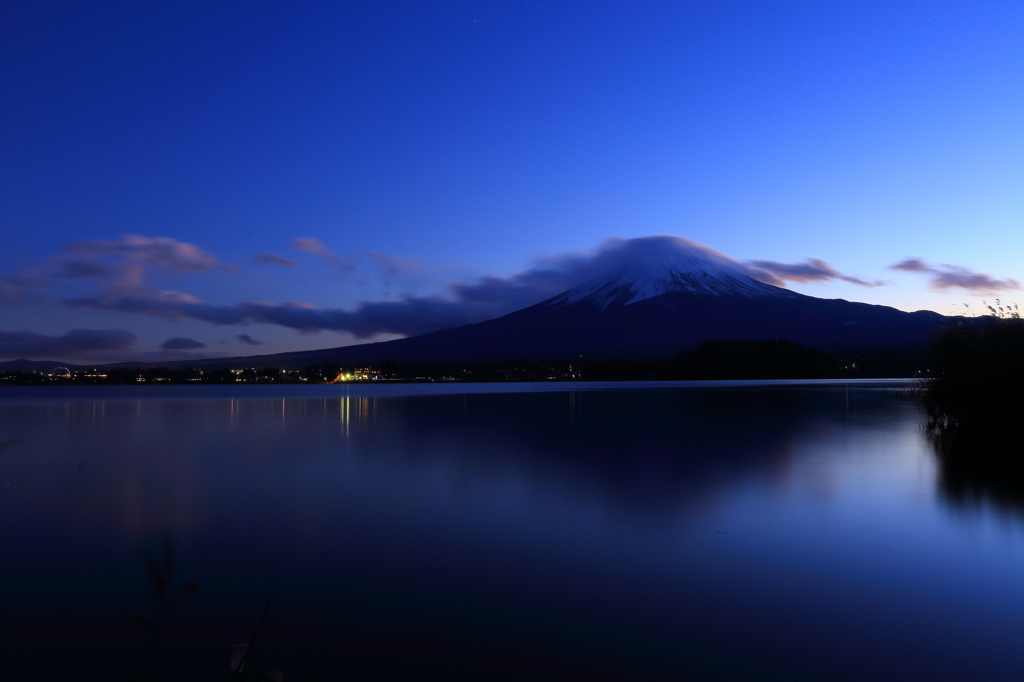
(652, 309)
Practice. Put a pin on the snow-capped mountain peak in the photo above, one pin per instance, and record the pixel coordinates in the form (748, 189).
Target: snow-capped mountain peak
(691, 267)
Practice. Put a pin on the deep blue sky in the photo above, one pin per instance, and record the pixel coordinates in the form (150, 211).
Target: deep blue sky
(469, 139)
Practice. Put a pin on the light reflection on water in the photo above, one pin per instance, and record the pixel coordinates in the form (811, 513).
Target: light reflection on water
(757, 532)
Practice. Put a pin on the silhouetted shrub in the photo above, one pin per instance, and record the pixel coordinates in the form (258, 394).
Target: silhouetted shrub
(977, 375)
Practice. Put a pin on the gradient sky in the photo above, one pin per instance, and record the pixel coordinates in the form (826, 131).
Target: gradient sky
(382, 152)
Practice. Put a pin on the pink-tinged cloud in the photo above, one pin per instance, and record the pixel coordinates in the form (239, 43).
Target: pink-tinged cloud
(274, 259)
(944, 277)
(162, 252)
(911, 265)
(811, 270)
(116, 266)
(317, 248)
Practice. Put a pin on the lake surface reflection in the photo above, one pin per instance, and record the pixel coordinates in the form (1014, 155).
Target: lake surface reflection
(747, 532)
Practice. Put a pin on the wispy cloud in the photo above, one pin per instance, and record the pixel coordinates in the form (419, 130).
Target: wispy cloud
(944, 277)
(811, 270)
(161, 252)
(245, 338)
(317, 248)
(393, 266)
(77, 343)
(274, 259)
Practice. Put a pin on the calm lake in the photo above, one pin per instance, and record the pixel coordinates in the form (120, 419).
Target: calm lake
(712, 531)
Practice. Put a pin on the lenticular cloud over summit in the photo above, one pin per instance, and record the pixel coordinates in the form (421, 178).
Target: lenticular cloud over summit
(697, 271)
(658, 251)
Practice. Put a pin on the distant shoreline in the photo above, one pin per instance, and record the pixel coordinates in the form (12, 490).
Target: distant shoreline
(399, 389)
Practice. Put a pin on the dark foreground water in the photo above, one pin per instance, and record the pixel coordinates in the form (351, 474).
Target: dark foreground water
(556, 531)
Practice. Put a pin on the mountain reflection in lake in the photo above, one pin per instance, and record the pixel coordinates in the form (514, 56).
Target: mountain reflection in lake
(771, 532)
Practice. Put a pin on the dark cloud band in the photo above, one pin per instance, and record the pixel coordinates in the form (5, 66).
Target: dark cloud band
(118, 271)
(181, 343)
(461, 303)
(77, 343)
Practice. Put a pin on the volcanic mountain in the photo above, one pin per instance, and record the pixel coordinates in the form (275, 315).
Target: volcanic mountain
(653, 307)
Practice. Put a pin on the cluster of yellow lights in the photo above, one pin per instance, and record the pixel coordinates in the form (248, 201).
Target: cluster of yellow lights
(358, 376)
